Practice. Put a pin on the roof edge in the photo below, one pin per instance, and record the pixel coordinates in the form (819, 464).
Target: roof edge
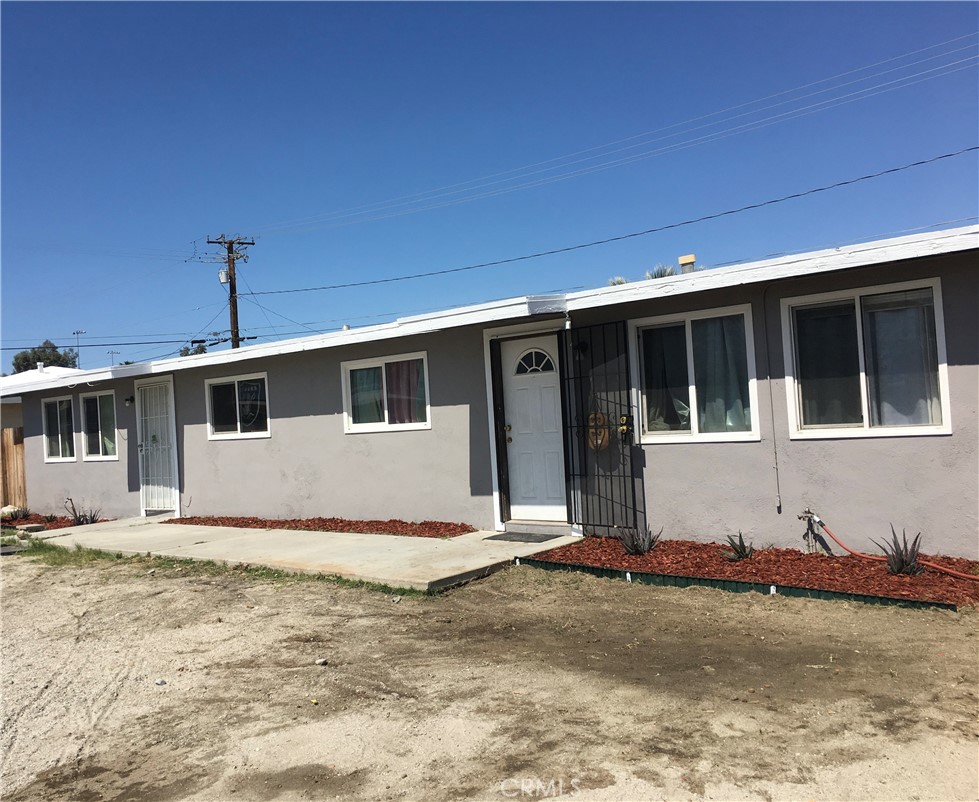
(827, 260)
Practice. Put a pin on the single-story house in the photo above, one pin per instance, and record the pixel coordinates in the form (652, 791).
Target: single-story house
(705, 403)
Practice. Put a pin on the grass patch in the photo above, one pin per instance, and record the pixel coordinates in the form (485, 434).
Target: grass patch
(49, 554)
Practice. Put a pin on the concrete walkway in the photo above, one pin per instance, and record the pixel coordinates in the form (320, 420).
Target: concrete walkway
(406, 562)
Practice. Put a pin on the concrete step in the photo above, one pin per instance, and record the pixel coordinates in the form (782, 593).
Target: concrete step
(539, 527)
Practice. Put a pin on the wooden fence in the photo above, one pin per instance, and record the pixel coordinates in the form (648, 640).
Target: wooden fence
(14, 486)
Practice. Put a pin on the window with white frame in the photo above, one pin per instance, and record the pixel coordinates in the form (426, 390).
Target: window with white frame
(868, 362)
(59, 430)
(99, 426)
(697, 377)
(238, 407)
(386, 394)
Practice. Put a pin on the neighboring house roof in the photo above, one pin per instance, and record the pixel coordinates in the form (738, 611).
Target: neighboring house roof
(793, 266)
(31, 378)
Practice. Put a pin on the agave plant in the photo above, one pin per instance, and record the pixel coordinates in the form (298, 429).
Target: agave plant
(20, 514)
(638, 541)
(739, 549)
(84, 516)
(901, 557)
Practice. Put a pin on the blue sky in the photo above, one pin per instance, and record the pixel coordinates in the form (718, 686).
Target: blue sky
(133, 131)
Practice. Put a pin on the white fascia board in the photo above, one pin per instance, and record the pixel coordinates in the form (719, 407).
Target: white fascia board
(403, 327)
(804, 264)
(861, 255)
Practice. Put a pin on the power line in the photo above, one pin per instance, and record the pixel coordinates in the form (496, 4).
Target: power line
(103, 345)
(198, 334)
(754, 125)
(526, 171)
(621, 237)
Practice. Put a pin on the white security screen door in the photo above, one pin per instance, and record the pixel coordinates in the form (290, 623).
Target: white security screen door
(535, 441)
(157, 446)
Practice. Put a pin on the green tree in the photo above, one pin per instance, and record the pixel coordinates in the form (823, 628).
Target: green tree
(199, 348)
(48, 353)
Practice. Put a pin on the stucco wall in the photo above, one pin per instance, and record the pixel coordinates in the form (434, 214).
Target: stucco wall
(706, 491)
(111, 485)
(309, 466)
(11, 415)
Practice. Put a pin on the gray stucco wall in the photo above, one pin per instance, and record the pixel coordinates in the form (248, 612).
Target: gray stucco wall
(706, 491)
(309, 466)
(112, 485)
(11, 415)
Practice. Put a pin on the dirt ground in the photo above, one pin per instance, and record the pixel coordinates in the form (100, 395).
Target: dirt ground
(524, 685)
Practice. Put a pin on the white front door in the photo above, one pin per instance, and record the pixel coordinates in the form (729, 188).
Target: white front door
(535, 441)
(156, 436)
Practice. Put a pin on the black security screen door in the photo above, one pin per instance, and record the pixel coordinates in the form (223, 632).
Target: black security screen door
(605, 487)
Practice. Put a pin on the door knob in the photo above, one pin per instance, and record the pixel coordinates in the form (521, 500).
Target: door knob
(509, 439)
(507, 428)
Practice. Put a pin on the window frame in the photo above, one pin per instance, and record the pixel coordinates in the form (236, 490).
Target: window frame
(44, 428)
(840, 431)
(349, 427)
(238, 435)
(86, 457)
(636, 327)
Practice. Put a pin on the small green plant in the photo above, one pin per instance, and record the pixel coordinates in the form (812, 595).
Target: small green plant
(50, 519)
(901, 557)
(739, 549)
(638, 541)
(89, 516)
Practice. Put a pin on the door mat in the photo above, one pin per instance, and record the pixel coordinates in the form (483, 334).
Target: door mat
(522, 537)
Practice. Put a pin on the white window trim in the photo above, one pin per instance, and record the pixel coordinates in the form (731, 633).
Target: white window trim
(693, 436)
(349, 427)
(86, 457)
(239, 435)
(44, 425)
(797, 432)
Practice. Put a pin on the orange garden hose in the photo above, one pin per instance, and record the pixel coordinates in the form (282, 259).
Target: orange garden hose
(842, 545)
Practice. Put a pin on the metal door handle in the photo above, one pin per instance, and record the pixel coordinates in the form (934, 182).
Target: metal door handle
(509, 439)
(507, 427)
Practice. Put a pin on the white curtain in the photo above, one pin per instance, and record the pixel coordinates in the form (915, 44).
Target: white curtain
(901, 356)
(720, 366)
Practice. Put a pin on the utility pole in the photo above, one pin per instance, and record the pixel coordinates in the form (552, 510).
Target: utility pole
(232, 244)
(113, 355)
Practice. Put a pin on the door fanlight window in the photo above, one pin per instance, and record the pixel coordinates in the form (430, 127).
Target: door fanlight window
(534, 362)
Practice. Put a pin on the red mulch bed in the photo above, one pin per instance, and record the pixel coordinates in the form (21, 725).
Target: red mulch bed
(59, 522)
(392, 527)
(846, 574)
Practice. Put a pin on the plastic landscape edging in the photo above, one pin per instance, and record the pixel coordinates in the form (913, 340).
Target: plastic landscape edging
(731, 585)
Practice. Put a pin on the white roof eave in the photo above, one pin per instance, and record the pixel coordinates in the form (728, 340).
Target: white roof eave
(813, 263)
